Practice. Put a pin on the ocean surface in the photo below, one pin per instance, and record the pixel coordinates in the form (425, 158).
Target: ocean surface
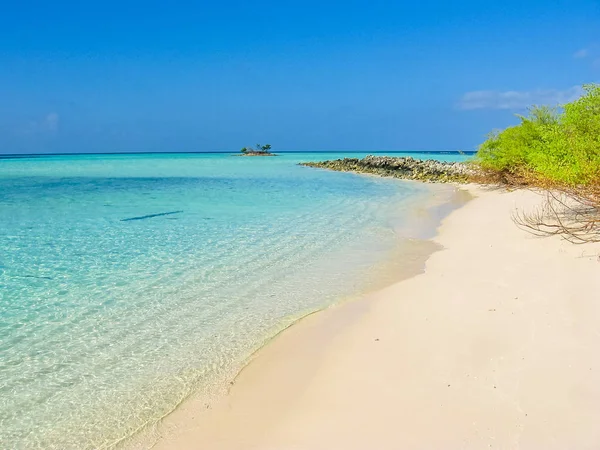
(129, 282)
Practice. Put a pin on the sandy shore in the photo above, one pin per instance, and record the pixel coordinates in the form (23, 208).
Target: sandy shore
(496, 345)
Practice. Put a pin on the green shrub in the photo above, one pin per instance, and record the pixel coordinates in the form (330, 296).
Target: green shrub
(549, 145)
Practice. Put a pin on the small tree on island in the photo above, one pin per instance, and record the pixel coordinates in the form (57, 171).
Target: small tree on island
(259, 149)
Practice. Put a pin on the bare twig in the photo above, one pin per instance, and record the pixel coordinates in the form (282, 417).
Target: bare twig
(572, 213)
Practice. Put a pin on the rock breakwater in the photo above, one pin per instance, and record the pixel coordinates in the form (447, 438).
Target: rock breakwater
(404, 167)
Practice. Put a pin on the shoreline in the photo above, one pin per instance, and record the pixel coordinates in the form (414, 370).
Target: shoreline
(407, 259)
(322, 382)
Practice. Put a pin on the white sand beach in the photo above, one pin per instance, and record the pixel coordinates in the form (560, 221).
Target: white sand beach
(495, 345)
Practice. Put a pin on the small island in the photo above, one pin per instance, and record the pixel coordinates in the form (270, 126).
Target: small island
(258, 150)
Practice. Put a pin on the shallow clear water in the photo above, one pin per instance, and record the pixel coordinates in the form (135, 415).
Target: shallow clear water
(106, 323)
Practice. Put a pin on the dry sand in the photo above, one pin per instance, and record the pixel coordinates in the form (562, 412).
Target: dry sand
(496, 345)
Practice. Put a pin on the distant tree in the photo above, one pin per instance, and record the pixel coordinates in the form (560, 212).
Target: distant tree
(257, 149)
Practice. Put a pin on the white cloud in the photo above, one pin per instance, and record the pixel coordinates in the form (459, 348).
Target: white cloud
(517, 100)
(48, 125)
(583, 53)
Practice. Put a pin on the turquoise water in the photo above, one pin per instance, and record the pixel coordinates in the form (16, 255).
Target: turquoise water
(128, 282)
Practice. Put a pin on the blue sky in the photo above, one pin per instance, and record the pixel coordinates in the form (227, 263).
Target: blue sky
(313, 75)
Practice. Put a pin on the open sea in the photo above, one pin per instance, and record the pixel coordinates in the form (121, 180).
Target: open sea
(130, 282)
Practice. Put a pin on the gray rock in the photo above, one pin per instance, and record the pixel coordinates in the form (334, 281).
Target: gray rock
(404, 167)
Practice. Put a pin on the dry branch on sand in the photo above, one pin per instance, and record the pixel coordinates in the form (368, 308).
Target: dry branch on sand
(572, 213)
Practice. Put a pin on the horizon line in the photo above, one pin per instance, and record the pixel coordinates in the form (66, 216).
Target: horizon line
(25, 155)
